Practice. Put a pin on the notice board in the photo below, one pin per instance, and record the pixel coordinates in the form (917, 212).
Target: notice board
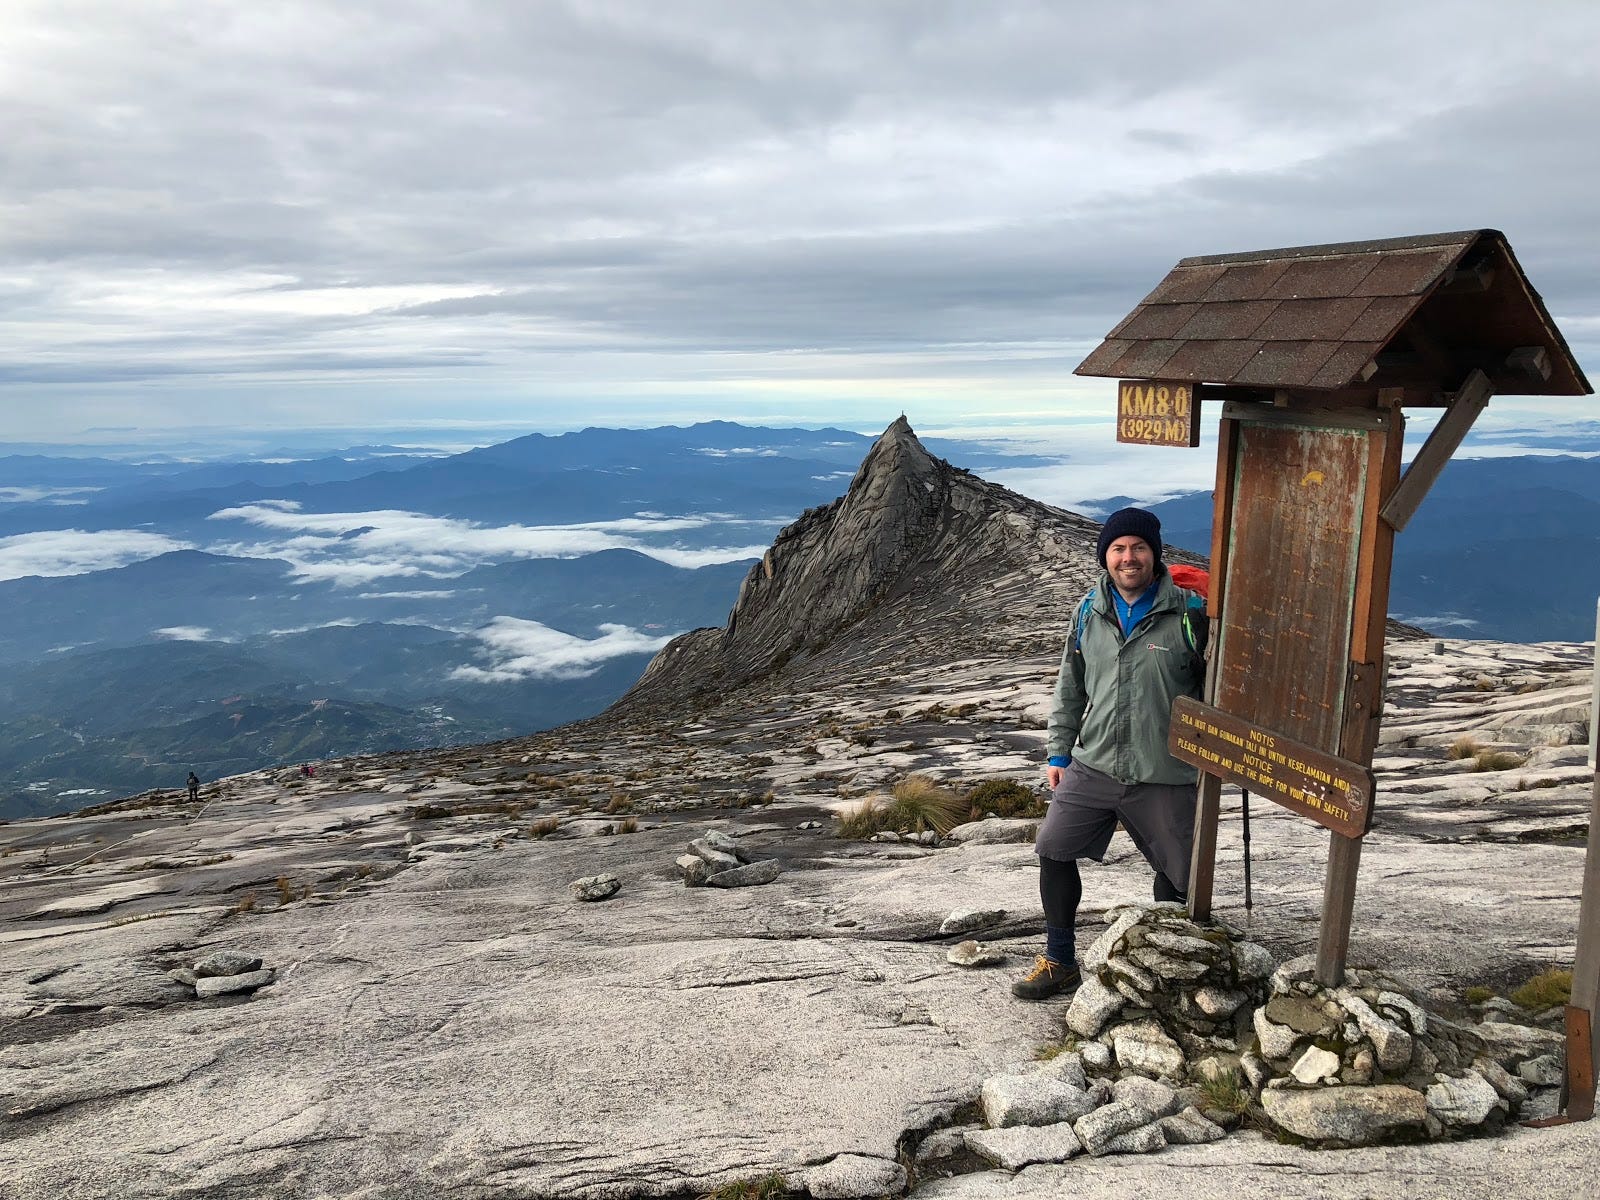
(1299, 493)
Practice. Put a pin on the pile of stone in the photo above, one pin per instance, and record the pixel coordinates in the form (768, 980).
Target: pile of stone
(1164, 1000)
(223, 973)
(1168, 997)
(1365, 1063)
(1171, 1009)
(717, 860)
(1048, 1112)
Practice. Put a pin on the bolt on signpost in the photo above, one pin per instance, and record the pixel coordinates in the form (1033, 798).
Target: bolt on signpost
(1314, 354)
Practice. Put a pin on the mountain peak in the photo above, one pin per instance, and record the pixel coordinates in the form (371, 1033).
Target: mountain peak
(911, 540)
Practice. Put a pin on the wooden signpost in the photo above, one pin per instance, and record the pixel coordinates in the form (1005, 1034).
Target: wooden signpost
(1315, 352)
(1153, 413)
(1328, 790)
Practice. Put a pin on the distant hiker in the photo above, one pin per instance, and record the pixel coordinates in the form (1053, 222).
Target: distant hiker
(307, 771)
(1137, 642)
(194, 786)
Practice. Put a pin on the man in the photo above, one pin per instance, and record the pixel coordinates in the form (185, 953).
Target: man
(194, 786)
(1137, 642)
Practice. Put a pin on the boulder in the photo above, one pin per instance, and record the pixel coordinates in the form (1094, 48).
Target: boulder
(967, 920)
(222, 985)
(974, 954)
(995, 832)
(1021, 1146)
(1031, 1099)
(853, 1176)
(749, 875)
(1144, 1046)
(1161, 1100)
(226, 962)
(716, 860)
(596, 887)
(1315, 1066)
(1092, 1006)
(1190, 1127)
(694, 868)
(1345, 1116)
(1100, 1129)
(1465, 1102)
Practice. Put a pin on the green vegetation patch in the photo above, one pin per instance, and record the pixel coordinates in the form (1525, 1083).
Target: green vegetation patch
(916, 805)
(1004, 798)
(1548, 989)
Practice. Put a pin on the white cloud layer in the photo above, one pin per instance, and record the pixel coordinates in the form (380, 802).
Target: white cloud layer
(622, 211)
(78, 551)
(357, 549)
(518, 649)
(187, 633)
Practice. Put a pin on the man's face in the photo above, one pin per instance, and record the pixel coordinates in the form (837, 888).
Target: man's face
(1132, 564)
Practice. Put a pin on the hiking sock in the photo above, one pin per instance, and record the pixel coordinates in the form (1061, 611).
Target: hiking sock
(1060, 890)
(1060, 945)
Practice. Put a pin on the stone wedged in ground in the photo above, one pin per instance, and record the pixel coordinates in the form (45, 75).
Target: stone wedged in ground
(446, 1019)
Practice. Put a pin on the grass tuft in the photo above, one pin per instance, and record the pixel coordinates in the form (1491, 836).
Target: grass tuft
(1051, 1050)
(765, 1187)
(1477, 994)
(1498, 760)
(628, 825)
(1224, 1092)
(1548, 989)
(1465, 746)
(917, 804)
(544, 827)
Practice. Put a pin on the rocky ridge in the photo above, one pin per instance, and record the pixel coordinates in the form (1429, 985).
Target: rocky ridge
(448, 1018)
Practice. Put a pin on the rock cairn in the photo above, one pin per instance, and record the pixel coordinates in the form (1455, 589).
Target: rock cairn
(1365, 1063)
(223, 973)
(1181, 1027)
(717, 860)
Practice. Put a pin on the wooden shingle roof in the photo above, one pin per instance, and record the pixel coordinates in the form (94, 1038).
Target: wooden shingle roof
(1418, 310)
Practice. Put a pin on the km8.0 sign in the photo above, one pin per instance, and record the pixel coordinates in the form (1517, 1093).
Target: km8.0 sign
(1152, 413)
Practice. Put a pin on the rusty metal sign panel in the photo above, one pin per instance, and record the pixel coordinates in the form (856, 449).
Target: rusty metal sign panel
(1290, 586)
(1332, 791)
(1153, 413)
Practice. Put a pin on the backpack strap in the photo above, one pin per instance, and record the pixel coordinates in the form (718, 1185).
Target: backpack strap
(1196, 626)
(1077, 626)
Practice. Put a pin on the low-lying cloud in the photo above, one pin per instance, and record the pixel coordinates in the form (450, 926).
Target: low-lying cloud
(517, 649)
(79, 551)
(357, 549)
(187, 633)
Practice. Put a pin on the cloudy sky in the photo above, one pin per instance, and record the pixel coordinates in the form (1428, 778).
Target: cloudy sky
(528, 214)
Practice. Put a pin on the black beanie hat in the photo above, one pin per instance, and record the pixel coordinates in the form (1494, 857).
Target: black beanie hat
(1129, 522)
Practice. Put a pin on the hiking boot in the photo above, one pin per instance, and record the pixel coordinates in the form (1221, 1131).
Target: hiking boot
(1046, 979)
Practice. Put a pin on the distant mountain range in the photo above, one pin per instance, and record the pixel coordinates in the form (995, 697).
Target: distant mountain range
(376, 600)
(444, 600)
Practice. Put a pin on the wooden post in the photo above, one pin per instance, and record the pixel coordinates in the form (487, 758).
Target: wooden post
(1583, 1046)
(1368, 628)
(1208, 797)
(1203, 858)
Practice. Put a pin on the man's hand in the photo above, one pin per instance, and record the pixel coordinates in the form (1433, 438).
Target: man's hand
(1054, 775)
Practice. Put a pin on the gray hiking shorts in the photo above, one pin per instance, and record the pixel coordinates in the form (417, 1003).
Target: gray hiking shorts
(1085, 809)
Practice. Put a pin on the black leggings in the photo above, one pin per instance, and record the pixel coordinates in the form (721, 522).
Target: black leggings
(1061, 890)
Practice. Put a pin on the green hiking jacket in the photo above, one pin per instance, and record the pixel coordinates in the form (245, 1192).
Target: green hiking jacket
(1114, 696)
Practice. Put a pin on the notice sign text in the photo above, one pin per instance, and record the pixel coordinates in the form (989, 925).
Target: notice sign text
(1332, 791)
(1153, 413)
